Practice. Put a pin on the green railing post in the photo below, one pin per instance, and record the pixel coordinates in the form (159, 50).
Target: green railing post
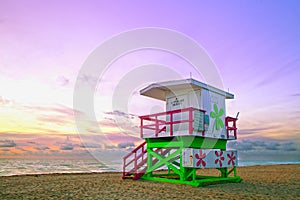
(149, 162)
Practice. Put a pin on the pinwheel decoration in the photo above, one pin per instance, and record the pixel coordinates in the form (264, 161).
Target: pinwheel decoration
(217, 114)
(200, 158)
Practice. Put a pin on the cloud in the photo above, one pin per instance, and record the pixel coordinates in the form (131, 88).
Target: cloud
(107, 122)
(295, 95)
(121, 114)
(273, 146)
(67, 147)
(262, 145)
(38, 146)
(7, 143)
(289, 146)
(41, 148)
(59, 114)
(116, 124)
(54, 119)
(88, 79)
(65, 110)
(121, 122)
(62, 81)
(60, 109)
(122, 137)
(124, 145)
(244, 145)
(256, 130)
(46, 130)
(108, 147)
(5, 149)
(282, 71)
(5, 101)
(90, 145)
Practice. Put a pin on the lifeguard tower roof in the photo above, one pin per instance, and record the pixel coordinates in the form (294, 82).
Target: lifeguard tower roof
(159, 90)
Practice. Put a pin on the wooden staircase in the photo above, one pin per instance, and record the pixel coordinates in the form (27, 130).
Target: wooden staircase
(135, 163)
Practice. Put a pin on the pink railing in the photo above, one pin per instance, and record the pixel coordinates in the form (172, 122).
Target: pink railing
(137, 157)
(134, 163)
(230, 123)
(159, 125)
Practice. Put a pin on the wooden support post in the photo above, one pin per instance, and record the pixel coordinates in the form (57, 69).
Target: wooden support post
(149, 164)
(135, 163)
(171, 124)
(191, 120)
(141, 128)
(156, 126)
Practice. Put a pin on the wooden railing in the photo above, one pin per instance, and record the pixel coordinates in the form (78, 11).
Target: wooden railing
(160, 124)
(137, 157)
(230, 123)
(157, 123)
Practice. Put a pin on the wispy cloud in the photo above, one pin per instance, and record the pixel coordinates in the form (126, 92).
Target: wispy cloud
(263, 145)
(273, 146)
(90, 145)
(87, 79)
(287, 68)
(122, 122)
(38, 146)
(124, 145)
(251, 131)
(54, 119)
(62, 81)
(67, 146)
(4, 101)
(289, 146)
(295, 95)
(58, 109)
(41, 148)
(7, 143)
(121, 114)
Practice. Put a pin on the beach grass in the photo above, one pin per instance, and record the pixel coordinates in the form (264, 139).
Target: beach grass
(259, 182)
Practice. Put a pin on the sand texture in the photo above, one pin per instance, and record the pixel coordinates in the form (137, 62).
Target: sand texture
(259, 182)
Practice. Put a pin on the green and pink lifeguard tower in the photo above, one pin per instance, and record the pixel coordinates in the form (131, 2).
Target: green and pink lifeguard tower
(191, 134)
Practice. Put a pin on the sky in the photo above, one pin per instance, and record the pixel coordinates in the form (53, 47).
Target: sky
(44, 44)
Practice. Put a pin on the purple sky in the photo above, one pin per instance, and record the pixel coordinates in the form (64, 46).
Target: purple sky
(43, 44)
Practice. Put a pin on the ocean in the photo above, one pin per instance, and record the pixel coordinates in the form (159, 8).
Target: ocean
(9, 167)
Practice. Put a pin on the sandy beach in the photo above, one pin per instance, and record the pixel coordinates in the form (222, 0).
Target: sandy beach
(259, 182)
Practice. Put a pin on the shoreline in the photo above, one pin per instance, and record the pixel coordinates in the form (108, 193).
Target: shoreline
(259, 182)
(103, 172)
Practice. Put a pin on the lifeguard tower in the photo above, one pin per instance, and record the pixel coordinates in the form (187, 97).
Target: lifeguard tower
(191, 134)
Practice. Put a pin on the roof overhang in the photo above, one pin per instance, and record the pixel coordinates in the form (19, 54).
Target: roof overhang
(159, 90)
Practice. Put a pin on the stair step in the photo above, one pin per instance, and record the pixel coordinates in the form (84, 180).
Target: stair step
(127, 177)
(137, 176)
(134, 176)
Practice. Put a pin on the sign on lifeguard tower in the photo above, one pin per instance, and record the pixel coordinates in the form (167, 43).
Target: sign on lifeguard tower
(191, 134)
